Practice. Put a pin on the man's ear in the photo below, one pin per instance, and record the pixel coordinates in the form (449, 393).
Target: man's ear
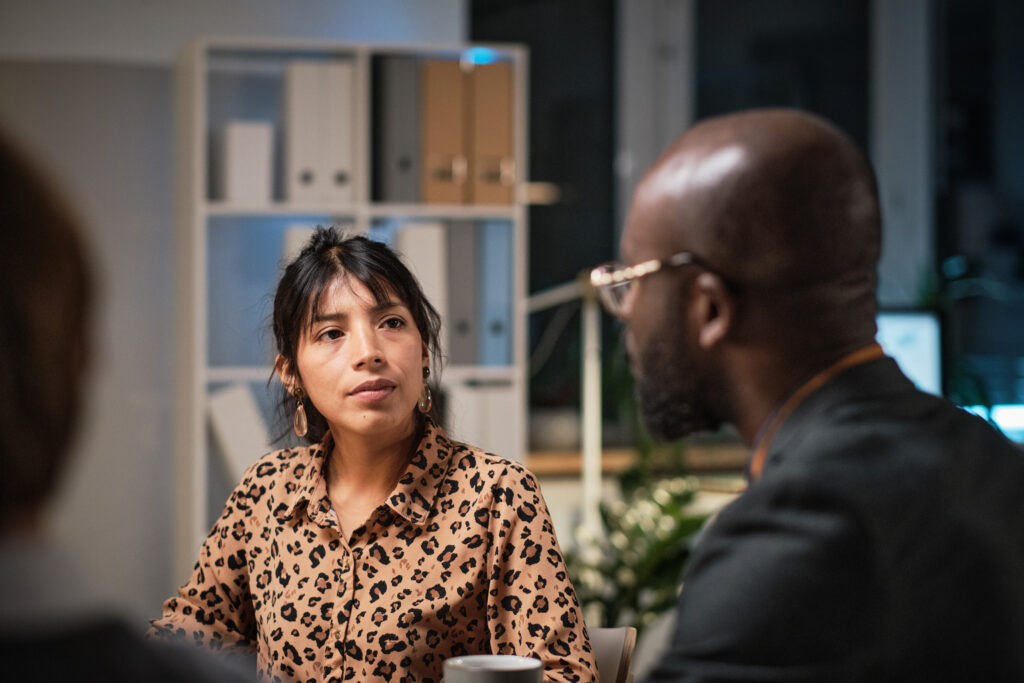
(715, 309)
(284, 372)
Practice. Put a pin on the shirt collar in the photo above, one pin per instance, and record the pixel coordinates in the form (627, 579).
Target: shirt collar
(417, 489)
(413, 495)
(306, 487)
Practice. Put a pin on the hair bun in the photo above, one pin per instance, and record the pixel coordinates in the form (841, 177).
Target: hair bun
(324, 238)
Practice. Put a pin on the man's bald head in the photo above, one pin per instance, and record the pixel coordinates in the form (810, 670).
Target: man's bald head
(779, 200)
(777, 197)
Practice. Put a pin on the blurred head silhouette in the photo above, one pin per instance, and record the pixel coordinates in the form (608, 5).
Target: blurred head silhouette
(46, 290)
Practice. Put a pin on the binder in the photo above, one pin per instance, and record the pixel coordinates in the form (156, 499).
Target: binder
(339, 142)
(463, 317)
(397, 142)
(243, 169)
(319, 114)
(296, 237)
(238, 428)
(424, 249)
(444, 165)
(492, 164)
(495, 298)
(305, 167)
(481, 412)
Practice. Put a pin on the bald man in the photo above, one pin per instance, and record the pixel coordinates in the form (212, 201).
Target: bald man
(881, 537)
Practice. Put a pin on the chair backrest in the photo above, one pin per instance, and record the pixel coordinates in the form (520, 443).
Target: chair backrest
(613, 649)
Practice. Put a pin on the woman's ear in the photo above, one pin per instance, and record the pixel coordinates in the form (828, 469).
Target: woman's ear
(715, 310)
(284, 372)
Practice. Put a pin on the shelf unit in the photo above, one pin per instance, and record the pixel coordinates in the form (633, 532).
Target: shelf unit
(230, 250)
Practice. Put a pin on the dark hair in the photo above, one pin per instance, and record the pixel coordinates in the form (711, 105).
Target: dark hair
(330, 255)
(45, 301)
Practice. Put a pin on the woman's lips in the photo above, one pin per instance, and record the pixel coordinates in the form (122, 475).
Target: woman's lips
(374, 390)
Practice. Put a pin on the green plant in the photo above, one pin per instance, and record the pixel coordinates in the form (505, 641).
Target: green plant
(631, 573)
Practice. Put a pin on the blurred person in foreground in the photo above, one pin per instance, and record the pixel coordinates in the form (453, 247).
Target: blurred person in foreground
(381, 547)
(881, 535)
(51, 627)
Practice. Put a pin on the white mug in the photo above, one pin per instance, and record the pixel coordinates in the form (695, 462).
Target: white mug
(492, 669)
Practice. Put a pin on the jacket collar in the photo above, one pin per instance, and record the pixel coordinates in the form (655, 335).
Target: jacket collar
(853, 389)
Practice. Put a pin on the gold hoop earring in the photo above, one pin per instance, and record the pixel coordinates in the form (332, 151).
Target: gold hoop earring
(300, 424)
(426, 400)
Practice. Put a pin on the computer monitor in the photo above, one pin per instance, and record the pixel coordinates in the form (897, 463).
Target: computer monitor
(913, 339)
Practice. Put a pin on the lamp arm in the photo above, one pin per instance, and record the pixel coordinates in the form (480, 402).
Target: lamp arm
(590, 389)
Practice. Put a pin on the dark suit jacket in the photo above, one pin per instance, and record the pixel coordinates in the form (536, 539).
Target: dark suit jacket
(883, 542)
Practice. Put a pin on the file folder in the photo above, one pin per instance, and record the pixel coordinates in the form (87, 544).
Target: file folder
(238, 428)
(319, 114)
(296, 237)
(397, 142)
(482, 413)
(305, 129)
(423, 246)
(443, 119)
(495, 297)
(463, 317)
(243, 168)
(492, 163)
(339, 142)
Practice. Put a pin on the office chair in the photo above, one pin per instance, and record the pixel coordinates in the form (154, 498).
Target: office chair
(613, 649)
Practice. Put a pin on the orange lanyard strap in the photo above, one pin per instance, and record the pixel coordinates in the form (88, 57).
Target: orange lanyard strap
(858, 357)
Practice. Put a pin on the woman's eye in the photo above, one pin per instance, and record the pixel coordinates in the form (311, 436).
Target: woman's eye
(394, 323)
(330, 334)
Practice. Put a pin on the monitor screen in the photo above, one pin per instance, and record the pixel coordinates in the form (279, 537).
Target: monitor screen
(912, 338)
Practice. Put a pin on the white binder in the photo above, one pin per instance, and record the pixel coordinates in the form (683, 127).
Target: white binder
(339, 142)
(319, 113)
(243, 163)
(238, 428)
(424, 247)
(296, 237)
(305, 129)
(482, 413)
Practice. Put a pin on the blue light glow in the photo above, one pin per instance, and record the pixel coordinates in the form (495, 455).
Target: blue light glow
(480, 55)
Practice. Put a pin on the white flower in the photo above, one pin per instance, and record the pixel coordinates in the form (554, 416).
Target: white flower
(666, 525)
(661, 496)
(625, 577)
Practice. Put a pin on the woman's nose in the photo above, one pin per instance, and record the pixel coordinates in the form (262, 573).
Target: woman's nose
(365, 347)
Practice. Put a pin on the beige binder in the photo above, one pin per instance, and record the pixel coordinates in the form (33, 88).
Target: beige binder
(492, 163)
(443, 120)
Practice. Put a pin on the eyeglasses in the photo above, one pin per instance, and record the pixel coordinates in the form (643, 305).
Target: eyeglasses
(614, 281)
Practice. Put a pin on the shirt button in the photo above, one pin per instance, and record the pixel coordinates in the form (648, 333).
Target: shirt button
(337, 634)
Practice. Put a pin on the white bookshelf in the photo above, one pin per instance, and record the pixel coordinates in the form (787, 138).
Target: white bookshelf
(229, 251)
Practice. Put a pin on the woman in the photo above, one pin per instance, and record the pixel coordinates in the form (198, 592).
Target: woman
(382, 548)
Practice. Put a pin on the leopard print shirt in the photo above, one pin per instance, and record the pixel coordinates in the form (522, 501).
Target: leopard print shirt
(461, 559)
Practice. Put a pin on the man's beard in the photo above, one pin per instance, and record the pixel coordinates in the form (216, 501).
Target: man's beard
(671, 393)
